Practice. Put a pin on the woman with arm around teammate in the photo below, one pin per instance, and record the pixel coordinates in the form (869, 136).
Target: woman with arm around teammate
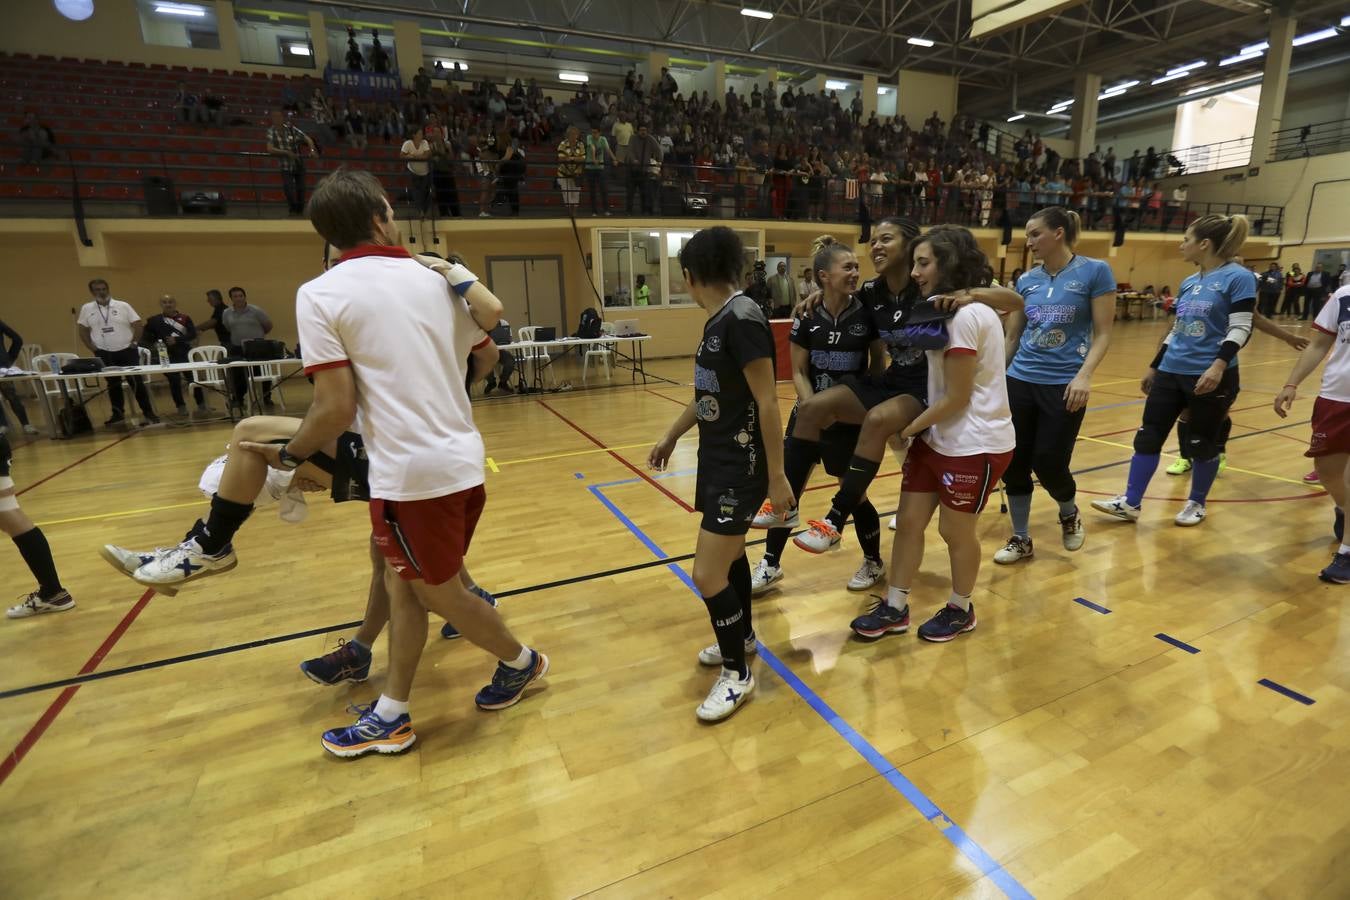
(1054, 346)
(963, 442)
(740, 457)
(1195, 369)
(830, 343)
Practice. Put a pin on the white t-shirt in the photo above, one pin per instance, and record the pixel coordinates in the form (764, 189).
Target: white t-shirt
(416, 166)
(985, 426)
(1334, 319)
(109, 326)
(407, 338)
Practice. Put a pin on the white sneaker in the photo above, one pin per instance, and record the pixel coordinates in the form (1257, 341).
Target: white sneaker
(728, 694)
(868, 574)
(33, 605)
(768, 517)
(30, 428)
(182, 564)
(820, 538)
(1117, 507)
(764, 577)
(1071, 531)
(1016, 550)
(891, 524)
(1191, 514)
(128, 561)
(712, 655)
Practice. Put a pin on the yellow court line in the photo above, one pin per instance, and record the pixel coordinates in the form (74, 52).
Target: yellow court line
(492, 464)
(1229, 468)
(123, 514)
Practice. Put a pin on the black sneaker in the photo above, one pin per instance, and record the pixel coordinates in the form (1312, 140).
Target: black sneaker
(881, 619)
(949, 622)
(117, 419)
(349, 662)
(1339, 570)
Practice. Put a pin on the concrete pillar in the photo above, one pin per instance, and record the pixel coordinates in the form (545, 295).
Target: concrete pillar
(719, 82)
(656, 61)
(318, 39)
(869, 95)
(228, 31)
(407, 50)
(1273, 85)
(1083, 116)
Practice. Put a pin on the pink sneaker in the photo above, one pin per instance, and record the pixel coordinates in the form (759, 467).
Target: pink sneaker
(1312, 477)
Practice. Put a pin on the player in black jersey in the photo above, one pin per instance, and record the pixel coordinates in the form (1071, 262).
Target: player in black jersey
(740, 458)
(50, 596)
(836, 341)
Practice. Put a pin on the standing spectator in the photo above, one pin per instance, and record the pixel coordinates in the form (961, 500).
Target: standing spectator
(112, 329)
(177, 332)
(284, 141)
(642, 292)
(598, 155)
(1154, 204)
(806, 285)
(1314, 291)
(1268, 288)
(354, 121)
(510, 170)
(417, 150)
(444, 161)
(622, 132)
(379, 57)
(483, 171)
(644, 166)
(1179, 195)
(1293, 290)
(187, 105)
(354, 61)
(9, 356)
(245, 322)
(422, 86)
(783, 290)
(571, 157)
(216, 323)
(36, 141)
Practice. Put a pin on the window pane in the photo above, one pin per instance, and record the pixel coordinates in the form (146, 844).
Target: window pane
(175, 24)
(678, 290)
(647, 268)
(267, 43)
(616, 269)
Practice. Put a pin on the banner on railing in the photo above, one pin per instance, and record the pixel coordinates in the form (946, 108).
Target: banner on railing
(363, 85)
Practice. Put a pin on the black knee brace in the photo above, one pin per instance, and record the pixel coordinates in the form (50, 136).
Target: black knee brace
(1148, 440)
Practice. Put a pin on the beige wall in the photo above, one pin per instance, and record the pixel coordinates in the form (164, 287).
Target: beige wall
(922, 92)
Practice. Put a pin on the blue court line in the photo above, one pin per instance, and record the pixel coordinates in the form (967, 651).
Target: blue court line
(907, 789)
(640, 480)
(1180, 645)
(1092, 606)
(578, 475)
(1291, 694)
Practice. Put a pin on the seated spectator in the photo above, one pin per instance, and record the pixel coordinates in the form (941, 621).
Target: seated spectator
(187, 105)
(212, 109)
(9, 356)
(176, 330)
(36, 141)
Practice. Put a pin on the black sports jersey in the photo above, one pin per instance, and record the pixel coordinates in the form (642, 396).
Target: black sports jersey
(730, 447)
(350, 469)
(838, 347)
(5, 454)
(908, 363)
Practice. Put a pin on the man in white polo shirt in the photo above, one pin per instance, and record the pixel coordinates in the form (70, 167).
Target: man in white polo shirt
(112, 329)
(426, 456)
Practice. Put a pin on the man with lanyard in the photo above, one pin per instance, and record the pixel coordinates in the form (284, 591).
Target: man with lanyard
(283, 141)
(112, 329)
(426, 457)
(177, 332)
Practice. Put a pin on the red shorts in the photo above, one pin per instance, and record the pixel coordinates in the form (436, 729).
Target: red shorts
(1330, 428)
(427, 539)
(962, 483)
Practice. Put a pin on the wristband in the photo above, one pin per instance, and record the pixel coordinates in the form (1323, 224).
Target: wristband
(460, 278)
(289, 462)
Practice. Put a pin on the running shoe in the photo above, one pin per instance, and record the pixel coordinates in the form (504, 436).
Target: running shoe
(1336, 573)
(128, 561)
(764, 577)
(712, 654)
(1071, 530)
(450, 632)
(34, 605)
(948, 623)
(1191, 514)
(868, 574)
(1117, 507)
(184, 563)
(1312, 478)
(30, 428)
(370, 734)
(880, 620)
(819, 538)
(767, 517)
(508, 684)
(349, 662)
(729, 693)
(1180, 467)
(1017, 549)
(1223, 464)
(891, 523)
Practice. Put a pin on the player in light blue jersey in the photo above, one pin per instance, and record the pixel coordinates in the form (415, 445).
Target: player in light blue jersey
(1196, 367)
(1055, 345)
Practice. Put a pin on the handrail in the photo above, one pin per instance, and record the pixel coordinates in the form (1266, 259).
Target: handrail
(1313, 139)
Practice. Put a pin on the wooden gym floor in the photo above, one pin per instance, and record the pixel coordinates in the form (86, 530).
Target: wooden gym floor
(1104, 732)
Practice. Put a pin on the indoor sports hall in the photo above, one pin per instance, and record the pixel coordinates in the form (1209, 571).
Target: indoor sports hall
(1164, 712)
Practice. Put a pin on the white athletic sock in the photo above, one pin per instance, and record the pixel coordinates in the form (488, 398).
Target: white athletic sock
(1345, 548)
(897, 598)
(959, 601)
(389, 710)
(522, 661)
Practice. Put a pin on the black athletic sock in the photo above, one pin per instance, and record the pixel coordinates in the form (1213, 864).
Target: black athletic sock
(798, 457)
(739, 577)
(37, 554)
(1224, 431)
(852, 490)
(225, 519)
(1184, 436)
(724, 608)
(773, 546)
(867, 524)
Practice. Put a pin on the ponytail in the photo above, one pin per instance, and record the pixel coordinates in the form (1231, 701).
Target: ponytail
(824, 249)
(1226, 234)
(1056, 217)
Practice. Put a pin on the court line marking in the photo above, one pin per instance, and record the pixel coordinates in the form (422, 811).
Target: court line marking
(1180, 645)
(31, 737)
(925, 806)
(1288, 692)
(126, 437)
(1092, 606)
(123, 514)
(588, 450)
(1230, 468)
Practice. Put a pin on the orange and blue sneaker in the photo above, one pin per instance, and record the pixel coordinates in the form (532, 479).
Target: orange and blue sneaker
(508, 684)
(370, 734)
(450, 632)
(349, 662)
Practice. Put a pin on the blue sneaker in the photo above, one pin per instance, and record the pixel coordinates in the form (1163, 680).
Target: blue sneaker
(349, 662)
(370, 734)
(949, 622)
(450, 632)
(509, 684)
(1339, 570)
(880, 620)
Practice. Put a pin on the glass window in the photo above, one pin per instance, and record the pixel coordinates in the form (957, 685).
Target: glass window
(642, 268)
(616, 269)
(167, 24)
(678, 290)
(648, 288)
(367, 51)
(268, 43)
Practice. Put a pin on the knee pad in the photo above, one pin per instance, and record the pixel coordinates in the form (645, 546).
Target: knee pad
(1203, 447)
(1148, 440)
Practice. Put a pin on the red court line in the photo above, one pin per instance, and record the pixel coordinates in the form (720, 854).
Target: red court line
(10, 762)
(1211, 499)
(74, 464)
(632, 468)
(663, 397)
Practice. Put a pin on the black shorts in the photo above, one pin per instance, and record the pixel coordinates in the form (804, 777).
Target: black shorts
(873, 391)
(5, 456)
(837, 444)
(729, 510)
(350, 471)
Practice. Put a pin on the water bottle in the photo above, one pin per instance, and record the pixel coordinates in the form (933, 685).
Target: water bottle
(163, 353)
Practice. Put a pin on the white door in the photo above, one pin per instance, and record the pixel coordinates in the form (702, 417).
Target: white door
(530, 290)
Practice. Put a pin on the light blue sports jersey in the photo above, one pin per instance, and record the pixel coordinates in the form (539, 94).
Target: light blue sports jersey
(1059, 319)
(1203, 305)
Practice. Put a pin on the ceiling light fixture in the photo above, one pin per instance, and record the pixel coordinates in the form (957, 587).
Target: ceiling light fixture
(179, 9)
(574, 77)
(1017, 117)
(757, 13)
(1170, 76)
(832, 85)
(1315, 36)
(1189, 67)
(919, 42)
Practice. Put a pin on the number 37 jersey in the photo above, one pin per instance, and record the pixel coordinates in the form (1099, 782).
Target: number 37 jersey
(838, 346)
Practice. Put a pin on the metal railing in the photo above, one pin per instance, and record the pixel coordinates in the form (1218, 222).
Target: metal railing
(1310, 140)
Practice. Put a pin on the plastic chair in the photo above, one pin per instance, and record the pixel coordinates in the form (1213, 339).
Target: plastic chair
(209, 376)
(602, 353)
(28, 353)
(268, 372)
(44, 365)
(535, 356)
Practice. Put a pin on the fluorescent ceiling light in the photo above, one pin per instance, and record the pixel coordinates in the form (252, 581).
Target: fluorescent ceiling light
(757, 13)
(451, 63)
(1064, 103)
(1123, 86)
(919, 42)
(1210, 87)
(1017, 117)
(1170, 76)
(831, 85)
(1055, 110)
(1345, 23)
(179, 9)
(574, 77)
(1107, 95)
(299, 49)
(1251, 49)
(1240, 58)
(1189, 67)
(1314, 36)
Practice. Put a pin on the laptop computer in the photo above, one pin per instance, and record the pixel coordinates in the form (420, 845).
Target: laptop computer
(545, 333)
(626, 327)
